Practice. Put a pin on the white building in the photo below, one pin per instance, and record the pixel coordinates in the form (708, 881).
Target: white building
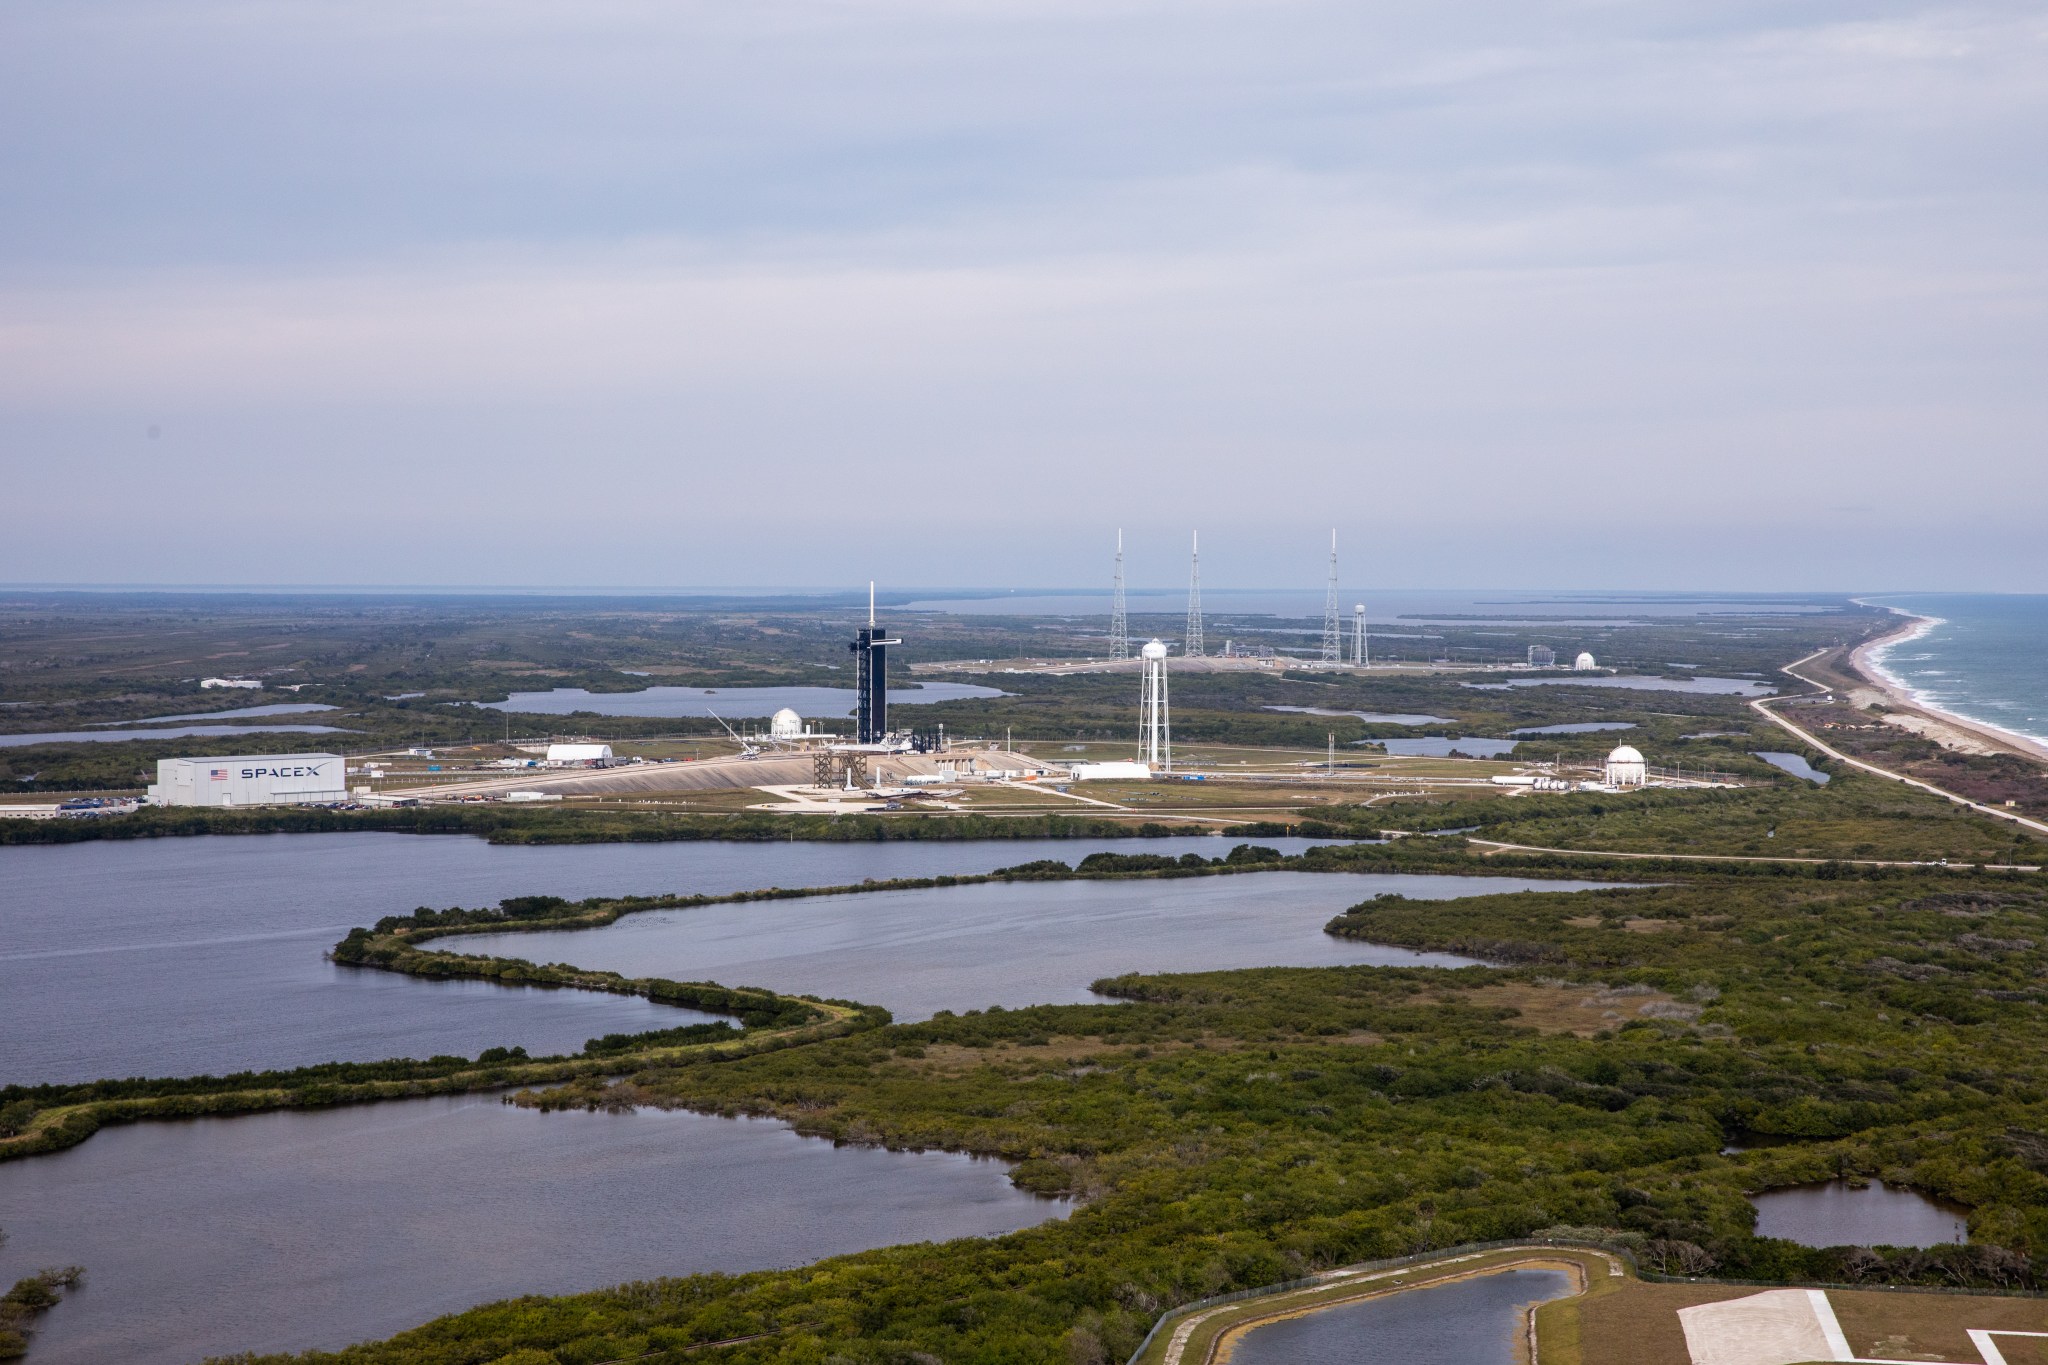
(574, 755)
(253, 780)
(250, 683)
(1112, 772)
(1584, 663)
(1625, 768)
(785, 724)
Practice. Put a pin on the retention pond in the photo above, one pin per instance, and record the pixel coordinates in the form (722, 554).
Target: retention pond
(1839, 1214)
(1467, 1322)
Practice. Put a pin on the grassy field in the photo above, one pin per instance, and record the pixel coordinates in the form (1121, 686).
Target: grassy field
(1630, 1320)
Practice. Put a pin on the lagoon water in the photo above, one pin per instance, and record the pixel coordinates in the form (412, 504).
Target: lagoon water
(1986, 661)
(1466, 1322)
(733, 703)
(280, 708)
(169, 957)
(1582, 727)
(167, 732)
(1009, 944)
(1437, 746)
(1369, 717)
(316, 1228)
(296, 1230)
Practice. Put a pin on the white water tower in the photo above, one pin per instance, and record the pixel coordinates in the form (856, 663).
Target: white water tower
(1155, 727)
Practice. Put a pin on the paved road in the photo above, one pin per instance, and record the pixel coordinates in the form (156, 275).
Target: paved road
(711, 774)
(1762, 708)
(1495, 846)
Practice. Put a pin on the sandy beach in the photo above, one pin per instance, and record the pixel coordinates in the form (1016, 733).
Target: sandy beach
(1943, 727)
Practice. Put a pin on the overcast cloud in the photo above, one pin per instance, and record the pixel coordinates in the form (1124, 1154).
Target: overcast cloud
(1511, 292)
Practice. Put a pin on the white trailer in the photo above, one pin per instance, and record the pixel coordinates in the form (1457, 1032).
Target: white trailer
(250, 780)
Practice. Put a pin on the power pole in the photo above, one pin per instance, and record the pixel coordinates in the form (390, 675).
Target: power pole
(1119, 624)
(1193, 647)
(1333, 635)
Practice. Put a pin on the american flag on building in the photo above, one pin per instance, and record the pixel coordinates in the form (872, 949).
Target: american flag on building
(219, 774)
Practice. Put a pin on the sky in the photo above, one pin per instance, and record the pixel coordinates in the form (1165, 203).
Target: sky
(1510, 292)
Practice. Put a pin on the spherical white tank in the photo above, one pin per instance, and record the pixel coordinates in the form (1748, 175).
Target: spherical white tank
(1584, 663)
(1626, 767)
(785, 724)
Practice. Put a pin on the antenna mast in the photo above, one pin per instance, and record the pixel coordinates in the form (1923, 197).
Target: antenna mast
(1333, 634)
(1119, 624)
(1193, 648)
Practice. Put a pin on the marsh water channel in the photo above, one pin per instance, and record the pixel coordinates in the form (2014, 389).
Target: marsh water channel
(316, 1228)
(170, 957)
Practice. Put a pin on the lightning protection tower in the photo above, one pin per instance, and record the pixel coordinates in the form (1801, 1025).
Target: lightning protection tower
(1119, 623)
(1155, 721)
(1361, 649)
(1333, 634)
(1193, 647)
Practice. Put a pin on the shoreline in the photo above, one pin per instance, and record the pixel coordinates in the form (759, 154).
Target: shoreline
(1864, 662)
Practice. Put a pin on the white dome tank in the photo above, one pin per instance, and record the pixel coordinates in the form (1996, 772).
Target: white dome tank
(785, 724)
(1155, 649)
(1584, 663)
(1626, 767)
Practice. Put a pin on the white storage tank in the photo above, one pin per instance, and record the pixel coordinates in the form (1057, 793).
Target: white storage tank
(1626, 768)
(250, 780)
